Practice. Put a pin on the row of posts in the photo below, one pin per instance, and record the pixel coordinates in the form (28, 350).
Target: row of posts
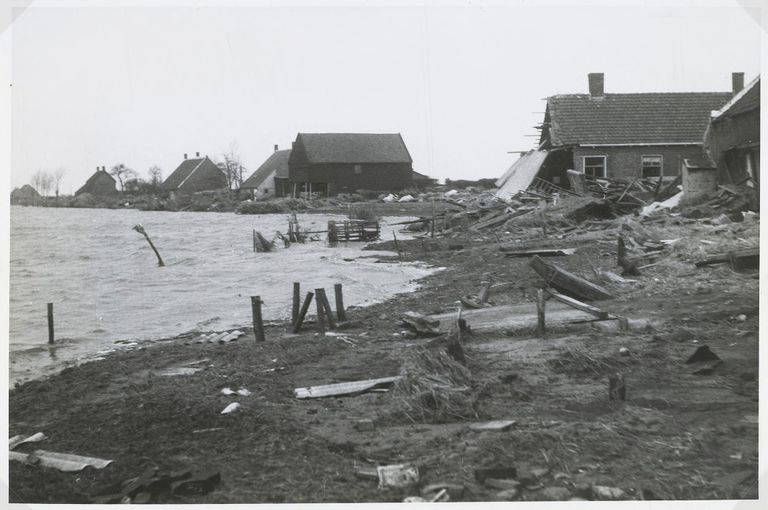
(325, 316)
(298, 311)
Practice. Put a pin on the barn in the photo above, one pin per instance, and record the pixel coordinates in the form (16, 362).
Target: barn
(332, 163)
(195, 174)
(100, 183)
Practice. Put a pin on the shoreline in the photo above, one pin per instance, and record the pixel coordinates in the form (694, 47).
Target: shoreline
(276, 448)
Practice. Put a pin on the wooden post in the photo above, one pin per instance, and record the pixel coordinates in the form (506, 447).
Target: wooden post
(320, 311)
(541, 328)
(482, 296)
(333, 237)
(258, 326)
(303, 312)
(397, 246)
(50, 323)
(340, 312)
(254, 240)
(296, 302)
(617, 389)
(432, 234)
(327, 309)
(140, 230)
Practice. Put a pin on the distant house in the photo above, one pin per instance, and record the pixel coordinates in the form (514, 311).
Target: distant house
(271, 178)
(26, 195)
(733, 138)
(195, 174)
(622, 136)
(100, 183)
(330, 163)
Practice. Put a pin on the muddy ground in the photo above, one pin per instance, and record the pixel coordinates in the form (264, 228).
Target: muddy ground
(677, 436)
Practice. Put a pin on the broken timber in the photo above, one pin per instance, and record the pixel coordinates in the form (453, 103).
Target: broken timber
(569, 283)
(345, 388)
(600, 314)
(740, 259)
(544, 252)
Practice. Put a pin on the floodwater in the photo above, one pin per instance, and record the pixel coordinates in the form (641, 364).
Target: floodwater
(108, 290)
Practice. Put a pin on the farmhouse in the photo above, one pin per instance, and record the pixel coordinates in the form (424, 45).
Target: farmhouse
(25, 195)
(271, 178)
(100, 183)
(621, 136)
(195, 174)
(330, 163)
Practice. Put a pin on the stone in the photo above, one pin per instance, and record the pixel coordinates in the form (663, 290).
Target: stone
(603, 493)
(583, 490)
(507, 495)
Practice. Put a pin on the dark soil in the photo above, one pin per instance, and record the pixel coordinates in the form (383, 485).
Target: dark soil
(678, 435)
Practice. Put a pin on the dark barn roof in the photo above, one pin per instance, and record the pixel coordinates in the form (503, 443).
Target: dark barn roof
(25, 191)
(354, 148)
(644, 118)
(89, 186)
(277, 162)
(183, 175)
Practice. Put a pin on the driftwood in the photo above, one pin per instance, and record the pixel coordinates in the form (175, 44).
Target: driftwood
(569, 283)
(597, 312)
(345, 388)
(509, 251)
(738, 259)
(628, 266)
(420, 324)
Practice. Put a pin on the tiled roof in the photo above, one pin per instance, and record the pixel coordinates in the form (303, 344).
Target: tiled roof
(277, 162)
(354, 148)
(613, 119)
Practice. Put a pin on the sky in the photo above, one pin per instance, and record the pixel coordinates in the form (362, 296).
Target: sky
(463, 82)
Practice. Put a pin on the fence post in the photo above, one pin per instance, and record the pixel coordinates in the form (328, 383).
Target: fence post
(50, 323)
(296, 302)
(327, 308)
(540, 309)
(303, 312)
(320, 311)
(341, 313)
(258, 326)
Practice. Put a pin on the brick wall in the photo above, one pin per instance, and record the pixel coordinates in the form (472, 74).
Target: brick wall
(625, 162)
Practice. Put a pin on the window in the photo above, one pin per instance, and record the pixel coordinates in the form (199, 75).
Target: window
(266, 190)
(652, 166)
(594, 166)
(358, 169)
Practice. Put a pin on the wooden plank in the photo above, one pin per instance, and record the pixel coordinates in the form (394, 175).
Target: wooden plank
(578, 305)
(544, 252)
(568, 283)
(739, 259)
(494, 425)
(344, 388)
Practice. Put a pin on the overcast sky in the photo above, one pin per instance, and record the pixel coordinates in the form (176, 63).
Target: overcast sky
(462, 83)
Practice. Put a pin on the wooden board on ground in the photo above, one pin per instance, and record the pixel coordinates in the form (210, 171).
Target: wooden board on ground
(512, 318)
(510, 251)
(568, 283)
(600, 314)
(344, 388)
(495, 425)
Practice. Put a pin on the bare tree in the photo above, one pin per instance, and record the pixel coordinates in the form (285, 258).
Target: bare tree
(57, 176)
(155, 176)
(232, 166)
(122, 173)
(42, 182)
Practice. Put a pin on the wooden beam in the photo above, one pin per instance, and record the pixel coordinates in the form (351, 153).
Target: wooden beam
(578, 305)
(567, 282)
(344, 388)
(510, 251)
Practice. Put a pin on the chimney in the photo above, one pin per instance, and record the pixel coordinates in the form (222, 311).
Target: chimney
(596, 81)
(197, 154)
(737, 80)
(185, 155)
(97, 169)
(104, 169)
(276, 147)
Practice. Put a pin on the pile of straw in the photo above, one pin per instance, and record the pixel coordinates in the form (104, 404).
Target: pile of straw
(434, 389)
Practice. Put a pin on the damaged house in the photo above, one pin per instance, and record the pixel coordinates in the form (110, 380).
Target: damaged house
(616, 136)
(331, 163)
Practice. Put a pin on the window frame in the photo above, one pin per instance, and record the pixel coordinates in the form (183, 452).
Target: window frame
(661, 166)
(605, 165)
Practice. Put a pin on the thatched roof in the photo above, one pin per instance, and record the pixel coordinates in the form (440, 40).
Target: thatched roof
(196, 174)
(25, 191)
(276, 163)
(92, 184)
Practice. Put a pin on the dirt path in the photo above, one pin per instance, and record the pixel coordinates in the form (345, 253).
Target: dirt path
(678, 435)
